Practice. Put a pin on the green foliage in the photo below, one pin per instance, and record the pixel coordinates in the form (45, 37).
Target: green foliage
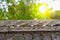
(55, 15)
(10, 1)
(24, 11)
(1, 15)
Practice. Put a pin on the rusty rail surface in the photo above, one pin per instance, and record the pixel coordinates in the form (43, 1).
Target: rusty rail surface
(30, 30)
(29, 25)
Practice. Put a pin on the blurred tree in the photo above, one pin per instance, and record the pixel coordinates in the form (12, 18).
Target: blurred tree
(1, 14)
(19, 11)
(55, 14)
(24, 10)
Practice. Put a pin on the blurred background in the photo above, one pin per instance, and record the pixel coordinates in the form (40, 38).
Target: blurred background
(29, 9)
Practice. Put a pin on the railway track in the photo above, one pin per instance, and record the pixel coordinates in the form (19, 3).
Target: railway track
(30, 30)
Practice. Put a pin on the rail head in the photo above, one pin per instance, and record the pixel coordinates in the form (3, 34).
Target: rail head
(29, 25)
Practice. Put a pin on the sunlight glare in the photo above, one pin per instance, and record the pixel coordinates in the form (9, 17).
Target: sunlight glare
(43, 9)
